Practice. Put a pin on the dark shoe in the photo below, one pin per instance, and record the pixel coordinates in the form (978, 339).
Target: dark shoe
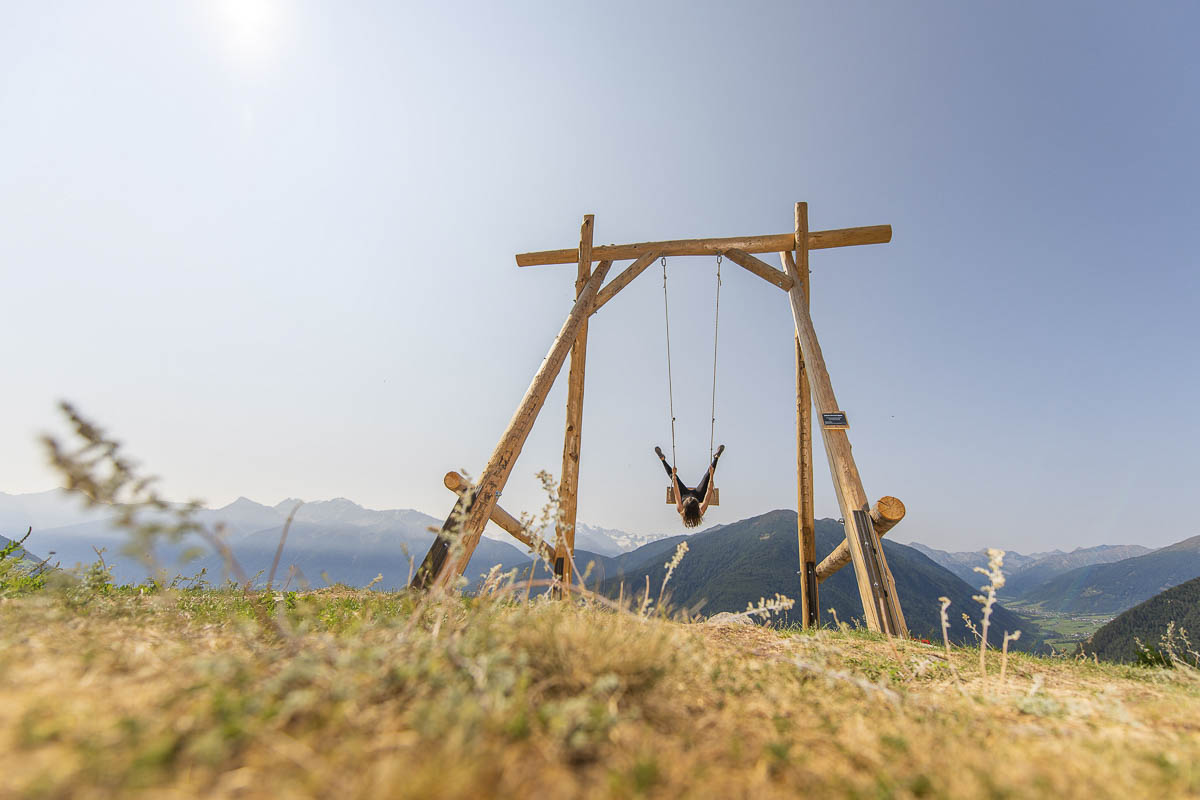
(720, 450)
(660, 453)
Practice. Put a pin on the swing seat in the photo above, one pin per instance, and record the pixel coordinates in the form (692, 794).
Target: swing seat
(716, 496)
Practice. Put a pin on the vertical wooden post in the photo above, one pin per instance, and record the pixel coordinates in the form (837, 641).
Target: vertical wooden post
(568, 488)
(473, 512)
(805, 520)
(876, 587)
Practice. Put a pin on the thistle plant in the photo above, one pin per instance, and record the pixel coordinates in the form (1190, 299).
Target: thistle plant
(680, 552)
(1008, 637)
(17, 574)
(98, 471)
(766, 608)
(970, 625)
(945, 601)
(995, 575)
(945, 605)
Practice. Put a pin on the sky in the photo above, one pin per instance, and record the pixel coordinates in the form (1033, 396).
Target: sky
(269, 246)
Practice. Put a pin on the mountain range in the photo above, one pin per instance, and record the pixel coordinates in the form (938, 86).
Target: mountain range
(336, 538)
(729, 565)
(1113, 588)
(1024, 573)
(61, 525)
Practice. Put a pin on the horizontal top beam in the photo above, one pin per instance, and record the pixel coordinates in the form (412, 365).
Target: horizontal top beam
(769, 243)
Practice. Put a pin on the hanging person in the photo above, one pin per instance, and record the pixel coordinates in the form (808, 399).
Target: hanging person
(692, 503)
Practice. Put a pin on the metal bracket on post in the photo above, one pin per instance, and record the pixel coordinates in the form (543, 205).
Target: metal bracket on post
(810, 582)
(870, 549)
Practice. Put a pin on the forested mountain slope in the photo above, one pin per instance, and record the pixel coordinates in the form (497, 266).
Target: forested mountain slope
(1147, 622)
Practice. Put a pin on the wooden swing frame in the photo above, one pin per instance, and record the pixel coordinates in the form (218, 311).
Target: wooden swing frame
(864, 524)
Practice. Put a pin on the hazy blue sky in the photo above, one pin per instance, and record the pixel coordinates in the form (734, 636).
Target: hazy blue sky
(270, 245)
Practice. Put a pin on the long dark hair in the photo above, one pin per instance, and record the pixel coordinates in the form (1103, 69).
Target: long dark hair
(691, 512)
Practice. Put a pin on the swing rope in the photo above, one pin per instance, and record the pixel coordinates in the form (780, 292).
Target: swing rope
(670, 380)
(716, 329)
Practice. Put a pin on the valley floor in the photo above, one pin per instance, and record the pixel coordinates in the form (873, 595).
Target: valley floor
(1061, 630)
(360, 694)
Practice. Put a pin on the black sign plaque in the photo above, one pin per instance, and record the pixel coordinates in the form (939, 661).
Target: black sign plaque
(834, 420)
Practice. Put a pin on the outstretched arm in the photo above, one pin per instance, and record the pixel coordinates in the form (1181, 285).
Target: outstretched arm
(708, 480)
(708, 493)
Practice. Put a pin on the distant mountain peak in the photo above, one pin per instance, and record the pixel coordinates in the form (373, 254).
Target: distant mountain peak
(242, 503)
(340, 502)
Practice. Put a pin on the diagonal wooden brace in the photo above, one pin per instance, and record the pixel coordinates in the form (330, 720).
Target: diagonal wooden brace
(442, 566)
(624, 279)
(876, 587)
(507, 522)
(760, 268)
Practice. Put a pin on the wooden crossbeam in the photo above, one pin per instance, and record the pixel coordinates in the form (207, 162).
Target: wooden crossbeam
(624, 279)
(769, 243)
(885, 514)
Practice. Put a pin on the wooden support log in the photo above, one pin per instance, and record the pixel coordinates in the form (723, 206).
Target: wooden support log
(769, 243)
(507, 522)
(876, 587)
(760, 268)
(568, 487)
(437, 567)
(886, 512)
(624, 279)
(806, 529)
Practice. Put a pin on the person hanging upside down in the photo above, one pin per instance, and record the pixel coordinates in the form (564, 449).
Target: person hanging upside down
(692, 503)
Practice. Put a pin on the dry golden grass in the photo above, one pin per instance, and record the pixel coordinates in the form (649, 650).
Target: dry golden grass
(353, 695)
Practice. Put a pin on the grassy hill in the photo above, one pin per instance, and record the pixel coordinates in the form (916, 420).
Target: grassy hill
(1147, 622)
(365, 694)
(1113, 588)
(732, 565)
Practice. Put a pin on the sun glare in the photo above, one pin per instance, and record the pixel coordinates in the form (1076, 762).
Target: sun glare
(251, 30)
